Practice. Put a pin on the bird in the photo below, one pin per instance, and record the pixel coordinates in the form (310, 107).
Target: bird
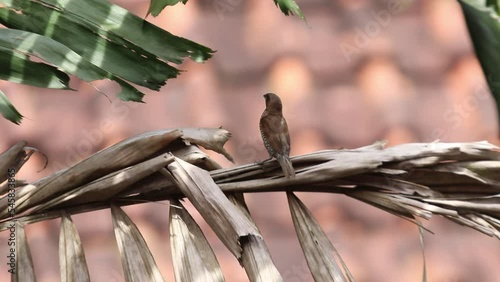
(275, 135)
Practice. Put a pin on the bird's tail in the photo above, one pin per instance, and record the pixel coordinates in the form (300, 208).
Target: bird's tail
(286, 166)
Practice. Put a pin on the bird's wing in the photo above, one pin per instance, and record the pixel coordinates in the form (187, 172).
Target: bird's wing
(285, 137)
(276, 130)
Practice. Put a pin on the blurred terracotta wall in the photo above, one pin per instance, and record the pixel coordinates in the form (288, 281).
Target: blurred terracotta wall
(356, 72)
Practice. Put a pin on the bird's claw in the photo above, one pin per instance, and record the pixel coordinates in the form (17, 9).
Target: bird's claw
(259, 162)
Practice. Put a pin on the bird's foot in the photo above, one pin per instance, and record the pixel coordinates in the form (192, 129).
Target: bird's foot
(258, 162)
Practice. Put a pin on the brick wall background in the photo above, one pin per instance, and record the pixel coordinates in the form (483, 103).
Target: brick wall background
(357, 72)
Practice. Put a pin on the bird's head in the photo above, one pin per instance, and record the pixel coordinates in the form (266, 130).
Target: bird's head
(273, 102)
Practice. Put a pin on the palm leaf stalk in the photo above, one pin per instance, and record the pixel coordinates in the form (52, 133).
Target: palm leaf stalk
(459, 181)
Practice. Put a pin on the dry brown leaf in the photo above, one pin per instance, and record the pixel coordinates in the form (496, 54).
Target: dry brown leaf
(118, 156)
(107, 186)
(137, 262)
(229, 223)
(209, 138)
(72, 263)
(13, 158)
(318, 250)
(24, 270)
(256, 258)
(192, 256)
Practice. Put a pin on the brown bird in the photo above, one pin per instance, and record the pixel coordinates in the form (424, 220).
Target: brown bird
(274, 131)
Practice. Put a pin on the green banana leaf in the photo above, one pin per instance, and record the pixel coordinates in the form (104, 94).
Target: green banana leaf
(156, 6)
(483, 22)
(92, 40)
(8, 111)
(22, 70)
(288, 7)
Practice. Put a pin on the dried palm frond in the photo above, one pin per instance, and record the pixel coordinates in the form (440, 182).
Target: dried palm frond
(460, 181)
